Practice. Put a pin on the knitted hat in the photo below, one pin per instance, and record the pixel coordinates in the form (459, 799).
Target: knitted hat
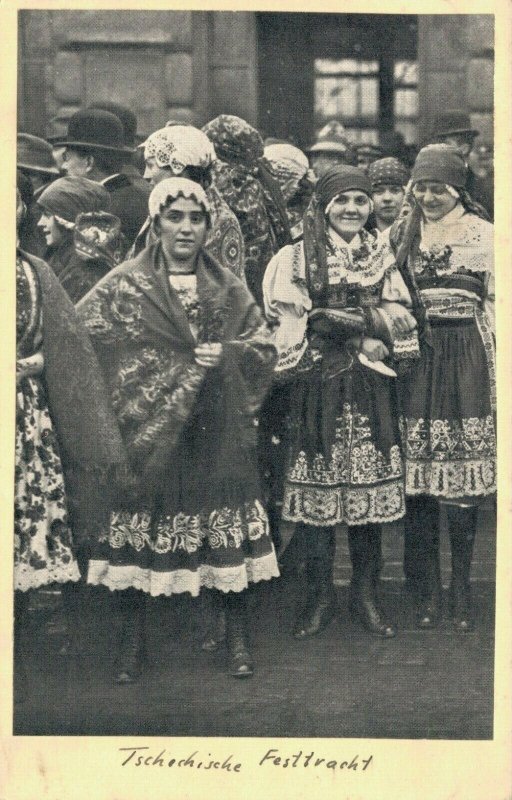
(67, 197)
(389, 171)
(441, 163)
(35, 154)
(341, 179)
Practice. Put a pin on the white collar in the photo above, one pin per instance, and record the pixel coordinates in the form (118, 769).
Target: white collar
(339, 242)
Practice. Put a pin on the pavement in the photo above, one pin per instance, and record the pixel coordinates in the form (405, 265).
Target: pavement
(344, 683)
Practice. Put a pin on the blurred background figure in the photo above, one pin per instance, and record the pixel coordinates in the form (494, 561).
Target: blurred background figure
(35, 160)
(31, 237)
(332, 148)
(366, 154)
(389, 178)
(290, 166)
(480, 183)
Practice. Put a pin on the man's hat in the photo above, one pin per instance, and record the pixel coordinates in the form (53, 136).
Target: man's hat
(127, 117)
(453, 122)
(35, 154)
(94, 129)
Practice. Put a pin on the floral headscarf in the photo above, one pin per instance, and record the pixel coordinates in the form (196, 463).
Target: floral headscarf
(244, 181)
(178, 147)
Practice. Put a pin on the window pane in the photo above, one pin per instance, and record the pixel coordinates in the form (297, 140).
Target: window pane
(369, 98)
(330, 66)
(406, 72)
(408, 130)
(358, 135)
(335, 96)
(406, 103)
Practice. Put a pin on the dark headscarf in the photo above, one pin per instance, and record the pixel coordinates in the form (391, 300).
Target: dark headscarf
(244, 180)
(342, 178)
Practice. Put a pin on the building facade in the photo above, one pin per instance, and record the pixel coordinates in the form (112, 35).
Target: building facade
(285, 73)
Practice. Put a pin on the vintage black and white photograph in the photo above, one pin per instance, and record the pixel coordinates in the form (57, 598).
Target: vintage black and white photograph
(255, 438)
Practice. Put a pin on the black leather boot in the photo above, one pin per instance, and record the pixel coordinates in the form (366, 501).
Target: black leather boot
(320, 606)
(240, 663)
(421, 559)
(462, 527)
(364, 546)
(132, 648)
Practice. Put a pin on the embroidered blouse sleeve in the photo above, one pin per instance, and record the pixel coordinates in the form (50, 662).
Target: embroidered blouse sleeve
(287, 303)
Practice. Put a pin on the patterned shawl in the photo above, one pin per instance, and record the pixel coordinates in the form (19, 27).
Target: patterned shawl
(143, 340)
(244, 180)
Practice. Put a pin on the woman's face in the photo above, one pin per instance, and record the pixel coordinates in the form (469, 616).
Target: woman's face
(349, 212)
(434, 199)
(182, 227)
(49, 226)
(153, 173)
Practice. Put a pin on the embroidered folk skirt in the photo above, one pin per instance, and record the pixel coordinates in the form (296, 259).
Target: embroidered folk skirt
(448, 401)
(345, 461)
(181, 542)
(43, 550)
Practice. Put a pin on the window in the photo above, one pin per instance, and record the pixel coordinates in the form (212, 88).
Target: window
(353, 91)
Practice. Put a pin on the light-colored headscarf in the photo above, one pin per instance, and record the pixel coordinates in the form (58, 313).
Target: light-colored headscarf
(178, 147)
(170, 189)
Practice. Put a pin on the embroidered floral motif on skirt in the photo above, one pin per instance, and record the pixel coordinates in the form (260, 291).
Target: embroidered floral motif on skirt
(449, 425)
(345, 456)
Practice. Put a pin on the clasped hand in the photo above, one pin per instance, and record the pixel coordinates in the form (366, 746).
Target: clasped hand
(208, 355)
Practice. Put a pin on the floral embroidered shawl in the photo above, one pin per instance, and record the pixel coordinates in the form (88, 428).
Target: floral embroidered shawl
(145, 345)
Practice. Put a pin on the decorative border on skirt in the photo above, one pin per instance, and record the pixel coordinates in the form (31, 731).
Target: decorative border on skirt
(26, 577)
(485, 331)
(451, 478)
(225, 579)
(326, 506)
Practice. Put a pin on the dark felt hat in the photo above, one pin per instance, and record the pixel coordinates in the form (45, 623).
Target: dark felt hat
(127, 117)
(453, 122)
(94, 129)
(35, 154)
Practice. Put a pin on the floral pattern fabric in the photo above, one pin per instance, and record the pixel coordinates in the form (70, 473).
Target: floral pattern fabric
(43, 551)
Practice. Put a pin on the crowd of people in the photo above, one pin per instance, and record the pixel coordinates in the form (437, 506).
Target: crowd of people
(216, 333)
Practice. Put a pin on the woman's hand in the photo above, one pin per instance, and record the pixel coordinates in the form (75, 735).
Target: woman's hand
(403, 320)
(374, 349)
(208, 355)
(32, 365)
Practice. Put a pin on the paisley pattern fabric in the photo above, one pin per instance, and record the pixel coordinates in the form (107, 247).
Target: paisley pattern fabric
(188, 512)
(43, 551)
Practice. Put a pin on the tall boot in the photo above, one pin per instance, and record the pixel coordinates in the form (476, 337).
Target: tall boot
(71, 595)
(213, 608)
(364, 546)
(240, 663)
(462, 527)
(421, 558)
(320, 606)
(20, 627)
(131, 604)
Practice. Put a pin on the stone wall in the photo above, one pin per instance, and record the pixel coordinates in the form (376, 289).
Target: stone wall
(456, 58)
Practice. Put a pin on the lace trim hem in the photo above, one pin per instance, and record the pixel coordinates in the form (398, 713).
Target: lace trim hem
(27, 578)
(225, 579)
(333, 506)
(451, 479)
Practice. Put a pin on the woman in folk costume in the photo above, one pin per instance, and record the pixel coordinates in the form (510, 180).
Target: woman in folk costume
(449, 397)
(340, 307)
(186, 152)
(245, 182)
(188, 360)
(290, 166)
(83, 241)
(67, 441)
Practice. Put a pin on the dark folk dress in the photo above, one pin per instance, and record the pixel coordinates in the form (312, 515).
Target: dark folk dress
(345, 461)
(449, 397)
(192, 514)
